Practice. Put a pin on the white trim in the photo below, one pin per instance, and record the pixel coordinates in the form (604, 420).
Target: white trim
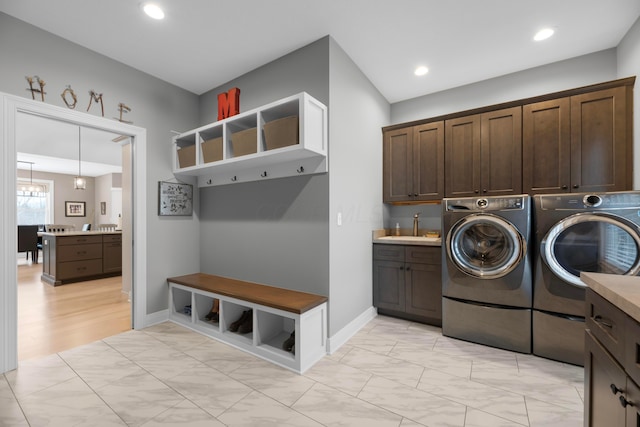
(156, 318)
(345, 334)
(9, 106)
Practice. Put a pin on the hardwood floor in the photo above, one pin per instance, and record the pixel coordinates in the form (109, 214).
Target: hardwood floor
(53, 319)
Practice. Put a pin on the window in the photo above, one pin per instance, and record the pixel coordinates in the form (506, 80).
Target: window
(34, 207)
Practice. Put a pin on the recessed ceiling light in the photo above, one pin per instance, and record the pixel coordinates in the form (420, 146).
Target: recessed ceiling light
(153, 10)
(421, 71)
(543, 34)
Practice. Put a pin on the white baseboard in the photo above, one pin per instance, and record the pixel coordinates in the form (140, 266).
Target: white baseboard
(343, 335)
(155, 318)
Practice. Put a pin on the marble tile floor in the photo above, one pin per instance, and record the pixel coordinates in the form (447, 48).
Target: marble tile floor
(391, 373)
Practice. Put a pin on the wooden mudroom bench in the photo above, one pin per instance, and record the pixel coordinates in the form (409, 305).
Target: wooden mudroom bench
(276, 312)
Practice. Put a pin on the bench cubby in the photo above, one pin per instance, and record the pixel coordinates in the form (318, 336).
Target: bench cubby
(276, 313)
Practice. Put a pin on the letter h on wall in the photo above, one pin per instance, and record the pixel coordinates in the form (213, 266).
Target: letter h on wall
(228, 103)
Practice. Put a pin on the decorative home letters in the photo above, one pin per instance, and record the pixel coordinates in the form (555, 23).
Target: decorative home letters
(33, 90)
(69, 91)
(93, 96)
(123, 109)
(228, 103)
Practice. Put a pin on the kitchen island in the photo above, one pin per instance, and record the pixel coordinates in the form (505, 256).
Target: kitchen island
(80, 255)
(612, 365)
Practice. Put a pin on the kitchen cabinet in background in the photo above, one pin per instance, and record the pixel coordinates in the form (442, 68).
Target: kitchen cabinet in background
(407, 282)
(579, 143)
(483, 154)
(413, 167)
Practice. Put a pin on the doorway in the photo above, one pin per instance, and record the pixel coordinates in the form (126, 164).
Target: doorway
(10, 107)
(57, 318)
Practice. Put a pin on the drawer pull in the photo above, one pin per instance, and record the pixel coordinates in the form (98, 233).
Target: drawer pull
(598, 319)
(615, 390)
(624, 402)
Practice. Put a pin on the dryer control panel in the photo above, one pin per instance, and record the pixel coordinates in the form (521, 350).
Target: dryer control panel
(484, 204)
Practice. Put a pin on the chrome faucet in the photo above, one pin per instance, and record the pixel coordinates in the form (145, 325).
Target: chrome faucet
(415, 224)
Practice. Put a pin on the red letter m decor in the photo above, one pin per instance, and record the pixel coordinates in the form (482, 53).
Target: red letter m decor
(228, 103)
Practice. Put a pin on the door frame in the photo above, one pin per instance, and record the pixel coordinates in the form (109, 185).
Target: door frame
(10, 106)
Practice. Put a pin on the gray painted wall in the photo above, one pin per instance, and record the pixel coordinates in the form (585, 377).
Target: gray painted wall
(357, 112)
(156, 105)
(274, 232)
(629, 65)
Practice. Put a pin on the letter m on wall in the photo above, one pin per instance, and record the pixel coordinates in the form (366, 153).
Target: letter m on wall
(228, 103)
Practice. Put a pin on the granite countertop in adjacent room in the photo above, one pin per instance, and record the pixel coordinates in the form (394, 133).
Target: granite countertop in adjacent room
(384, 236)
(621, 291)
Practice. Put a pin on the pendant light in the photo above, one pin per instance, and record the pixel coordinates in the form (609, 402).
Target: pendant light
(32, 188)
(79, 182)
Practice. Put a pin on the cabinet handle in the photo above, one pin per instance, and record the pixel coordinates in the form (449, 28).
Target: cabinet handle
(564, 187)
(614, 389)
(415, 194)
(599, 320)
(407, 268)
(576, 186)
(624, 402)
(476, 191)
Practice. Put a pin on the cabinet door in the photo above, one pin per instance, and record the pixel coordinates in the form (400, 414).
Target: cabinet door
(397, 165)
(112, 257)
(462, 156)
(428, 161)
(602, 373)
(501, 152)
(388, 285)
(424, 290)
(546, 156)
(633, 409)
(599, 147)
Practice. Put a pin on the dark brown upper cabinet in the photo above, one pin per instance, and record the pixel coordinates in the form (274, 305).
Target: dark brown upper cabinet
(483, 154)
(413, 165)
(580, 143)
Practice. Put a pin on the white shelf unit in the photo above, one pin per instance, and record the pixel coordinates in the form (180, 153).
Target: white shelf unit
(308, 156)
(271, 326)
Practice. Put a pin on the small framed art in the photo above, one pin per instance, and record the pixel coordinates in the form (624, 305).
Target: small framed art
(75, 209)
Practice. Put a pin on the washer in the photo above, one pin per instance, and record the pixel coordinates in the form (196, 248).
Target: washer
(575, 233)
(486, 271)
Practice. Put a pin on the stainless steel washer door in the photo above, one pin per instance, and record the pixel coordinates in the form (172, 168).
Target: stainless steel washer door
(485, 246)
(592, 242)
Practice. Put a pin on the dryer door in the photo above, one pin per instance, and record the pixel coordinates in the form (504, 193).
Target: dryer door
(592, 242)
(485, 246)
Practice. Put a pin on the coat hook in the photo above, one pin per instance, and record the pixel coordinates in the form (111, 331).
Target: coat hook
(234, 178)
(209, 181)
(264, 174)
(300, 169)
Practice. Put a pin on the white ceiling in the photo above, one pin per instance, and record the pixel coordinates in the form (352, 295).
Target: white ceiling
(205, 43)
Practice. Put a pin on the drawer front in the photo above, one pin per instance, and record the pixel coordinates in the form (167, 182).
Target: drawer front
(108, 238)
(79, 252)
(77, 269)
(607, 323)
(632, 349)
(77, 240)
(423, 254)
(388, 252)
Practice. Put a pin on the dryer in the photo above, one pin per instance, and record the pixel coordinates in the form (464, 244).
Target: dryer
(575, 233)
(486, 280)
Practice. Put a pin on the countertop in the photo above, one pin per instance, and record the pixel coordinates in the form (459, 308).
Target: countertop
(621, 291)
(79, 233)
(384, 236)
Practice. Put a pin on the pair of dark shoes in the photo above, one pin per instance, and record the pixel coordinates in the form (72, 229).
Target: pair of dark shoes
(290, 343)
(213, 316)
(244, 324)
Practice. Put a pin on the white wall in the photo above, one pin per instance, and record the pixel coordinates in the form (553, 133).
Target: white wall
(629, 65)
(357, 112)
(155, 105)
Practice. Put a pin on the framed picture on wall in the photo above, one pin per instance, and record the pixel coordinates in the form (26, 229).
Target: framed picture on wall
(175, 199)
(103, 208)
(74, 208)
